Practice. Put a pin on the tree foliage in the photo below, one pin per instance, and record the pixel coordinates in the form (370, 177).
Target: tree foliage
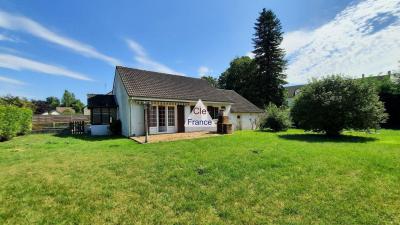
(389, 94)
(240, 77)
(68, 99)
(78, 106)
(16, 101)
(41, 106)
(276, 118)
(333, 104)
(269, 57)
(212, 81)
(53, 102)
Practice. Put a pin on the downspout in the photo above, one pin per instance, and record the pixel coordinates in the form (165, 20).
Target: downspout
(130, 118)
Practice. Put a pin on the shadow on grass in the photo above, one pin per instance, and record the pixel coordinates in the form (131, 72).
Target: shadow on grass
(268, 131)
(323, 138)
(86, 137)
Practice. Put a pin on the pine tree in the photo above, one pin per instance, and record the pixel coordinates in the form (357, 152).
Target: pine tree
(270, 61)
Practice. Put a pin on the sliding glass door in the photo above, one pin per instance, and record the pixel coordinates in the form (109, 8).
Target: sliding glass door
(161, 119)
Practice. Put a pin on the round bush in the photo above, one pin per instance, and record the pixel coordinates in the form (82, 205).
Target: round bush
(276, 119)
(333, 104)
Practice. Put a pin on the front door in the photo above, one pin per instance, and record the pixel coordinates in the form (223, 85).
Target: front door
(161, 119)
(181, 118)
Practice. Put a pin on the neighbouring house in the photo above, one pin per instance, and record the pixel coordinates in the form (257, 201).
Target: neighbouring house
(65, 110)
(86, 111)
(59, 111)
(170, 99)
(293, 91)
(52, 113)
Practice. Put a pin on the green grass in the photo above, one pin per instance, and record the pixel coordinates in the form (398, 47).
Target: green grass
(245, 178)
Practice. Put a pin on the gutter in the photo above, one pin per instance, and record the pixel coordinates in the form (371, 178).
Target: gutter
(174, 100)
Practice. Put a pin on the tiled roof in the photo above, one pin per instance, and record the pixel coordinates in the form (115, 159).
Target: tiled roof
(240, 104)
(101, 100)
(148, 84)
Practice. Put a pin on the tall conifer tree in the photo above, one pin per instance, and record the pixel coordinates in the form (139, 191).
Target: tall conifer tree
(269, 57)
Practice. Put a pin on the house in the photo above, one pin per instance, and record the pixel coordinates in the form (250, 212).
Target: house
(65, 110)
(52, 113)
(293, 91)
(86, 111)
(170, 99)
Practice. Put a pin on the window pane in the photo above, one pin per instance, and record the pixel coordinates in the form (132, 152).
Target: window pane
(153, 116)
(161, 116)
(96, 116)
(213, 111)
(171, 116)
(105, 116)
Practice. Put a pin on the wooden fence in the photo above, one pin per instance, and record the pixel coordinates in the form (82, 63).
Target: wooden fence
(77, 127)
(57, 123)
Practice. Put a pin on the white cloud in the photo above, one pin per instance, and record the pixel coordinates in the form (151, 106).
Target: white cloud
(203, 71)
(11, 81)
(145, 62)
(19, 63)
(363, 38)
(4, 37)
(292, 41)
(20, 23)
(250, 54)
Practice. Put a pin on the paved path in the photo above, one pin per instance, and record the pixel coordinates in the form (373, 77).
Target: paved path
(174, 137)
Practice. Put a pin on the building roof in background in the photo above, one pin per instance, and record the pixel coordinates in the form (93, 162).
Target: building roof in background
(101, 101)
(148, 84)
(292, 90)
(61, 109)
(240, 104)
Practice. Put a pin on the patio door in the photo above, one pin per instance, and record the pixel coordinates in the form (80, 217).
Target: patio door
(162, 127)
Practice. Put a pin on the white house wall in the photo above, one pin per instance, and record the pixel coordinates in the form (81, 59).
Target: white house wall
(247, 121)
(123, 104)
(137, 119)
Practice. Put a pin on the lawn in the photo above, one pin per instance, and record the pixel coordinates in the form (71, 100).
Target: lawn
(246, 178)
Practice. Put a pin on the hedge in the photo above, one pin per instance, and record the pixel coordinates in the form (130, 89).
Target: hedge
(14, 121)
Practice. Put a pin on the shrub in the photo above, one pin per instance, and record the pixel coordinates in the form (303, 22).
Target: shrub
(13, 121)
(25, 121)
(276, 119)
(333, 104)
(389, 94)
(115, 127)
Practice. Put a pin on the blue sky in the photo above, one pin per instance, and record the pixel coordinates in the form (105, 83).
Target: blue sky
(49, 46)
